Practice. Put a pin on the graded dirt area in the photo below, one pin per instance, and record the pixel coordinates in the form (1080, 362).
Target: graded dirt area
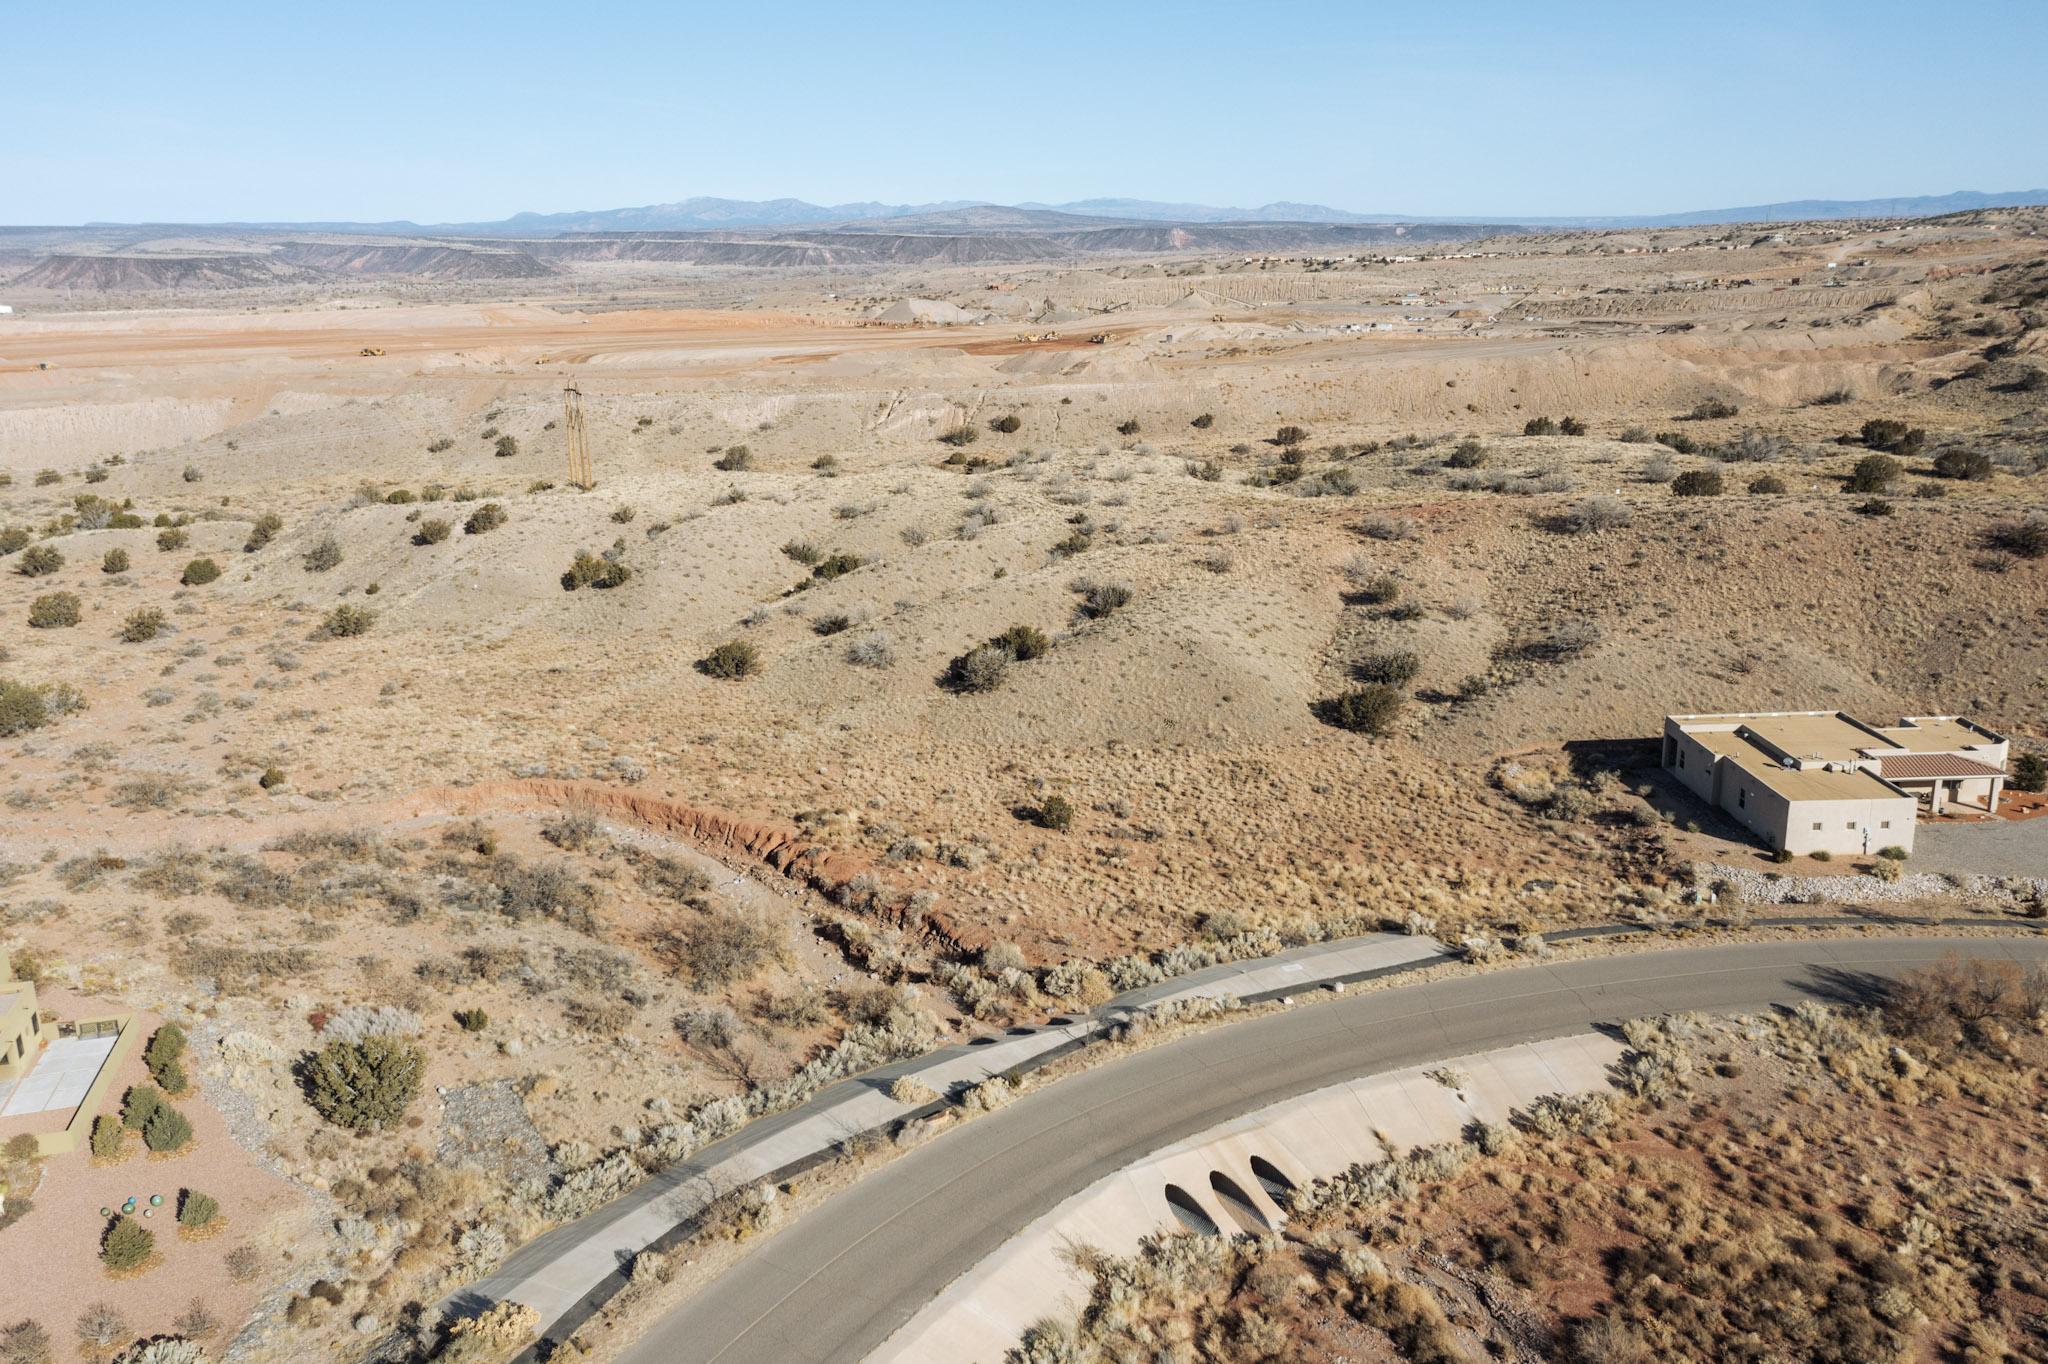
(748, 778)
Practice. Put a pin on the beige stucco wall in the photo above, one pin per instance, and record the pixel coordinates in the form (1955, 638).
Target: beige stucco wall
(1888, 821)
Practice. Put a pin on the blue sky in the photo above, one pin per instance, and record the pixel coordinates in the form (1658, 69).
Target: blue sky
(448, 112)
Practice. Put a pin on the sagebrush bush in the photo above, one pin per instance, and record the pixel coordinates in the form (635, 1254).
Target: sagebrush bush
(431, 532)
(735, 458)
(347, 621)
(116, 561)
(486, 518)
(144, 623)
(2027, 537)
(590, 570)
(957, 436)
(199, 572)
(1365, 710)
(1874, 474)
(54, 611)
(1766, 485)
(1008, 424)
(39, 561)
(324, 554)
(1539, 426)
(173, 539)
(1024, 642)
(1971, 466)
(263, 531)
(1597, 513)
(1390, 669)
(980, 669)
(1697, 483)
(733, 659)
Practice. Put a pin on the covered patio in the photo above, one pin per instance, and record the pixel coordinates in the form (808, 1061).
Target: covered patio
(1945, 783)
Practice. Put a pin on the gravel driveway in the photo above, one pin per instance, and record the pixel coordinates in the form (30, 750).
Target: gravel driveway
(2006, 848)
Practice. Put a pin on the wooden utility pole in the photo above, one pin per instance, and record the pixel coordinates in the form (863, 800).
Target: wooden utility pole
(580, 472)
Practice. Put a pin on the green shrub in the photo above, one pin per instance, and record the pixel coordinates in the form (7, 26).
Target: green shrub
(486, 518)
(507, 447)
(1876, 506)
(960, 435)
(1712, 409)
(1287, 435)
(13, 538)
(196, 1210)
(143, 624)
(22, 708)
(1571, 426)
(1874, 474)
(272, 778)
(431, 532)
(263, 532)
(1365, 710)
(733, 659)
(167, 1130)
(1007, 425)
(1203, 422)
(1822, 856)
(1054, 812)
(2030, 773)
(106, 1136)
(1892, 852)
(199, 572)
(1393, 670)
(165, 1055)
(347, 621)
(54, 611)
(1971, 466)
(735, 458)
(472, 1020)
(1100, 600)
(1697, 483)
(1893, 437)
(173, 539)
(1766, 485)
(116, 561)
(1469, 454)
(364, 1084)
(1678, 441)
(1023, 642)
(1539, 426)
(590, 570)
(803, 552)
(39, 561)
(1127, 427)
(2028, 537)
(834, 566)
(126, 1245)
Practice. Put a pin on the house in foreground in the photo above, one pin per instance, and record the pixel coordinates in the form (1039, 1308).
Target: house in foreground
(1823, 781)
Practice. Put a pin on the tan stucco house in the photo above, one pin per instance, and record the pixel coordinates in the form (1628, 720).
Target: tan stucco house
(1823, 781)
(21, 1026)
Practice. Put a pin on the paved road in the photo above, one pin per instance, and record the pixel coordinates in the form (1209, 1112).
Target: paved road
(837, 1284)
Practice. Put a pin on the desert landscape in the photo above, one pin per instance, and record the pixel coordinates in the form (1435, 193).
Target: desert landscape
(969, 617)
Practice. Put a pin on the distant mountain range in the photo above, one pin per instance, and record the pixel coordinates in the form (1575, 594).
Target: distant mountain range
(703, 214)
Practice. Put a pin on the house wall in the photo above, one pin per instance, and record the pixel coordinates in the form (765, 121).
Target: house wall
(1696, 769)
(1889, 821)
(20, 1033)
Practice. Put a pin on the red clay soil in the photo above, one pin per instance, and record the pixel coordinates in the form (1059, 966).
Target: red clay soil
(781, 847)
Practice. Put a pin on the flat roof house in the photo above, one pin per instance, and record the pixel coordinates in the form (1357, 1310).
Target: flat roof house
(1823, 781)
(21, 1026)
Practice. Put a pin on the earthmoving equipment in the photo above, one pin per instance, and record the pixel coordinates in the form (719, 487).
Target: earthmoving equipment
(371, 350)
(1099, 339)
(580, 472)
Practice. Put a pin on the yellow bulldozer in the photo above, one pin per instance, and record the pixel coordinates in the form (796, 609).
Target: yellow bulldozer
(371, 350)
(1099, 339)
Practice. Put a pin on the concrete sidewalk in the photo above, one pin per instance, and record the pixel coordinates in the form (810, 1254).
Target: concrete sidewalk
(560, 1272)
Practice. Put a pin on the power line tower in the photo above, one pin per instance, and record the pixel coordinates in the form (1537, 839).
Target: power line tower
(580, 472)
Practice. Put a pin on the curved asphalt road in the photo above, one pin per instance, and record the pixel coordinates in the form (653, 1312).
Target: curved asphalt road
(836, 1284)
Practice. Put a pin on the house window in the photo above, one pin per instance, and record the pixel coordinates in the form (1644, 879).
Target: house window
(35, 1023)
(1884, 824)
(1850, 825)
(1742, 799)
(1816, 826)
(1681, 757)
